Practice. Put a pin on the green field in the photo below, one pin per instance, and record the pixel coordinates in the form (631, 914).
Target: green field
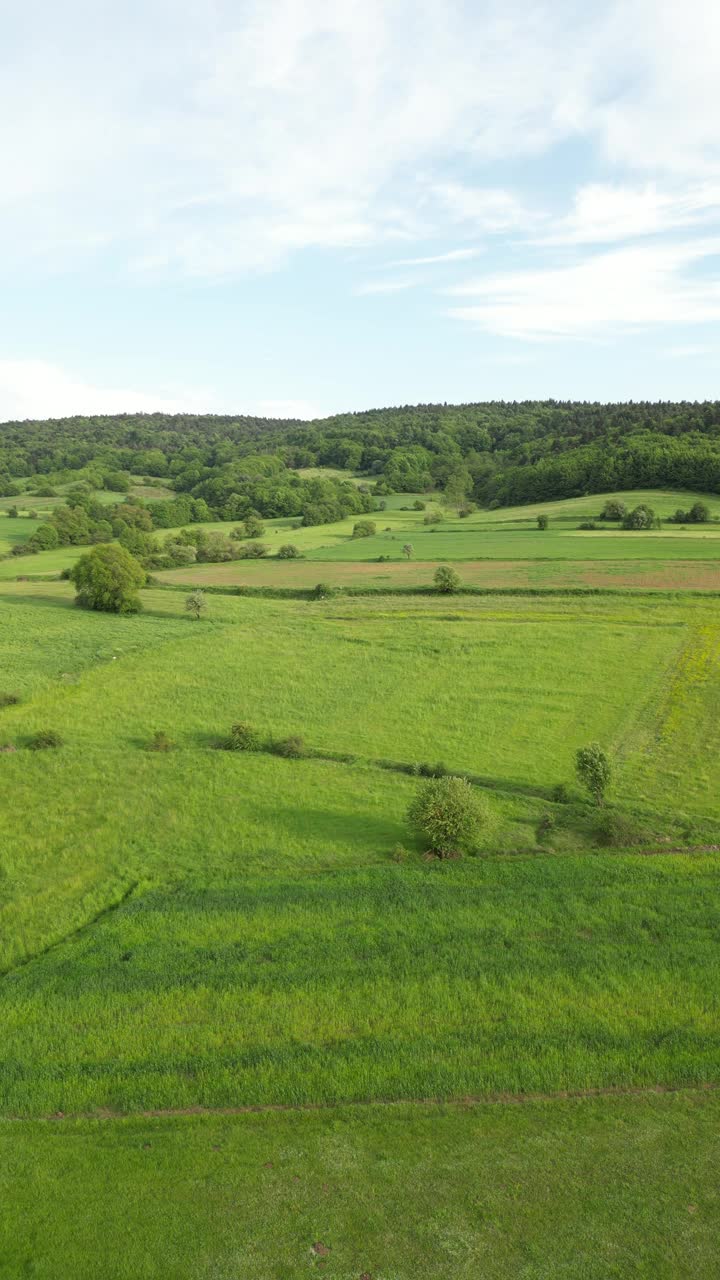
(598, 1188)
(203, 930)
(500, 548)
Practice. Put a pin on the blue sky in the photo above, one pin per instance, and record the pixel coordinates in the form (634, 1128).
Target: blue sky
(307, 206)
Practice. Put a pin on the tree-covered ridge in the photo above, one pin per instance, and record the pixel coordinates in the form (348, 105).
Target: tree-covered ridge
(500, 452)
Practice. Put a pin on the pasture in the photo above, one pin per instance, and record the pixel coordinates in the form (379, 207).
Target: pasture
(216, 930)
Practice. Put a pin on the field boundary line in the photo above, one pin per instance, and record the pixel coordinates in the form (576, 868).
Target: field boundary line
(67, 937)
(497, 1099)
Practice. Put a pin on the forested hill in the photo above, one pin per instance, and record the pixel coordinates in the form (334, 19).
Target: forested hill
(495, 452)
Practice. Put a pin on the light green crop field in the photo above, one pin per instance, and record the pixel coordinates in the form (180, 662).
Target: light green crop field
(204, 929)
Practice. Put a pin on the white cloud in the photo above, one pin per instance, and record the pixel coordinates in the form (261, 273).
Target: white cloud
(383, 286)
(612, 292)
(605, 212)
(287, 409)
(210, 138)
(38, 389)
(453, 255)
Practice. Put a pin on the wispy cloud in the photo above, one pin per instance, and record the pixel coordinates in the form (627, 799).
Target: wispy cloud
(603, 212)
(231, 137)
(382, 286)
(453, 255)
(611, 292)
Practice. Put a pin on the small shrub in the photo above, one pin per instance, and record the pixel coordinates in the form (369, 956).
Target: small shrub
(560, 794)
(613, 510)
(45, 740)
(545, 827)
(399, 853)
(433, 517)
(418, 505)
(253, 551)
(9, 699)
(617, 830)
(449, 813)
(160, 742)
(408, 550)
(292, 748)
(363, 529)
(587, 524)
(242, 737)
(446, 580)
(323, 591)
(542, 522)
(254, 527)
(288, 551)
(7, 748)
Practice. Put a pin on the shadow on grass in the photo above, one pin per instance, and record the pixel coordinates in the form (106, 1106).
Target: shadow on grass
(48, 601)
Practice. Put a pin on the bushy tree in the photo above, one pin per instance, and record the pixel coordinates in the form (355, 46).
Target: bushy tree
(641, 517)
(288, 551)
(253, 551)
(593, 769)
(196, 604)
(542, 522)
(45, 538)
(363, 529)
(254, 527)
(408, 550)
(449, 813)
(446, 580)
(117, 481)
(613, 510)
(108, 578)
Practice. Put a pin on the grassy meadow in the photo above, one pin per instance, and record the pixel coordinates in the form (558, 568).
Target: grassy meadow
(602, 1189)
(209, 931)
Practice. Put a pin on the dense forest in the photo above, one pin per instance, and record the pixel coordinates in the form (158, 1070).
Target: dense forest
(490, 453)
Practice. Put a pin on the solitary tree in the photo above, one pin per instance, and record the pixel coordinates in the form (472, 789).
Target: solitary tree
(408, 549)
(288, 551)
(196, 604)
(593, 769)
(108, 578)
(254, 527)
(613, 510)
(542, 522)
(446, 580)
(449, 813)
(364, 529)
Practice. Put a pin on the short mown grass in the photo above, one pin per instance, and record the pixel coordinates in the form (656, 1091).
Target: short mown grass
(600, 1188)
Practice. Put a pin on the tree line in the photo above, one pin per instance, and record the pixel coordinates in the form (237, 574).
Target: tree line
(499, 453)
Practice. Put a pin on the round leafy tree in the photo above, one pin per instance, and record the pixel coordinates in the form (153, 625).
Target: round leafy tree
(108, 578)
(593, 769)
(449, 813)
(446, 580)
(196, 604)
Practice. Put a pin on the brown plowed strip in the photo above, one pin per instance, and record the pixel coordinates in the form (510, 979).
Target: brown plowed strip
(469, 1100)
(668, 575)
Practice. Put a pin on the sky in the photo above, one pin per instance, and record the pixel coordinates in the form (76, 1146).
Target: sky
(302, 207)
